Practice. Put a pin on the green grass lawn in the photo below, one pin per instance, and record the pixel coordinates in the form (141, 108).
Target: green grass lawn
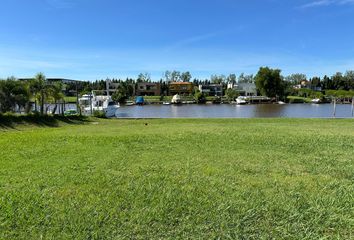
(179, 179)
(67, 99)
(296, 99)
(71, 99)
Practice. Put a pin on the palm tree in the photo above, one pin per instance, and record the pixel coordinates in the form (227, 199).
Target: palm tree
(39, 90)
(56, 94)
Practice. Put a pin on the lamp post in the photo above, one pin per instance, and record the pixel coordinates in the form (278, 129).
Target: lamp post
(334, 107)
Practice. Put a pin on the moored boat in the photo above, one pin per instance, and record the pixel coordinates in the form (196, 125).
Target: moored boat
(241, 100)
(139, 100)
(316, 101)
(176, 99)
(90, 103)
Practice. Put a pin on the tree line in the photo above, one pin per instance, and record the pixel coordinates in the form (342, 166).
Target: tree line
(337, 81)
(16, 95)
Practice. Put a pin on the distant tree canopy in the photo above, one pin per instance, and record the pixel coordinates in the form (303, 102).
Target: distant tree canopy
(144, 77)
(186, 76)
(123, 92)
(245, 78)
(296, 78)
(338, 81)
(20, 95)
(269, 82)
(177, 76)
(218, 79)
(231, 94)
(232, 78)
(13, 93)
(199, 97)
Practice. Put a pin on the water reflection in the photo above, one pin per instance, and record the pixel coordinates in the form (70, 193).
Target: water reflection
(234, 111)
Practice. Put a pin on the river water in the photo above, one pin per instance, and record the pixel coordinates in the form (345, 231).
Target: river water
(235, 111)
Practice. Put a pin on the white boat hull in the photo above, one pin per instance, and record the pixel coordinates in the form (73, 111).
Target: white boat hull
(240, 102)
(109, 112)
(91, 103)
(316, 101)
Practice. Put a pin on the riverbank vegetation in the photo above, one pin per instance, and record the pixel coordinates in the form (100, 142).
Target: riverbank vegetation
(34, 95)
(10, 120)
(178, 179)
(17, 96)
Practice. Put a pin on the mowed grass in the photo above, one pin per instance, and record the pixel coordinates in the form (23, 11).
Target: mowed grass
(179, 179)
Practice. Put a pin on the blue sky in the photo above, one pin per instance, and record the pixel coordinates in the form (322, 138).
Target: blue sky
(94, 39)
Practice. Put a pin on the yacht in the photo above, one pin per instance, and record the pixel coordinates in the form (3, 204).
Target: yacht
(176, 99)
(316, 100)
(241, 100)
(91, 102)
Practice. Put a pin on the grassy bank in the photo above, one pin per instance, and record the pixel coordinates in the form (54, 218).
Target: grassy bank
(296, 99)
(30, 120)
(179, 179)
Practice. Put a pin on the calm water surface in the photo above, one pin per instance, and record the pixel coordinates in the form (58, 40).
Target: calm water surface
(235, 111)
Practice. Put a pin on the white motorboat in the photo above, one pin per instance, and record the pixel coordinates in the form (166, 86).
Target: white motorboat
(316, 101)
(176, 99)
(281, 102)
(241, 100)
(90, 103)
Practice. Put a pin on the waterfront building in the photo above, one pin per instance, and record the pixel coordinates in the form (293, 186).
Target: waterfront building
(148, 89)
(181, 88)
(211, 90)
(244, 89)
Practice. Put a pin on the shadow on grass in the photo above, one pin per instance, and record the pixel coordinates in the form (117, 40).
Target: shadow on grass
(12, 120)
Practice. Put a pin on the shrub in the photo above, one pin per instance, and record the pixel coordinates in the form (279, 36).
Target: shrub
(99, 114)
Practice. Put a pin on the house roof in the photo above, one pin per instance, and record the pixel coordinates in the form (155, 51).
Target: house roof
(181, 83)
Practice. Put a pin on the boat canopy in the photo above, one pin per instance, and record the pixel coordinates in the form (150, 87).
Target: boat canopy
(139, 100)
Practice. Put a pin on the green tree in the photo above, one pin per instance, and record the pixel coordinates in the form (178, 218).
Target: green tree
(122, 93)
(327, 83)
(349, 78)
(232, 78)
(231, 94)
(144, 77)
(269, 82)
(186, 76)
(199, 97)
(39, 90)
(338, 81)
(14, 93)
(22, 95)
(245, 78)
(315, 82)
(167, 76)
(55, 94)
(175, 76)
(218, 79)
(305, 92)
(296, 78)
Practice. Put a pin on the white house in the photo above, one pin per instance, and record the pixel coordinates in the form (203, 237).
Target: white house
(244, 89)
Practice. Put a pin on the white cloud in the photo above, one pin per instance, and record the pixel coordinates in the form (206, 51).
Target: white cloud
(323, 3)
